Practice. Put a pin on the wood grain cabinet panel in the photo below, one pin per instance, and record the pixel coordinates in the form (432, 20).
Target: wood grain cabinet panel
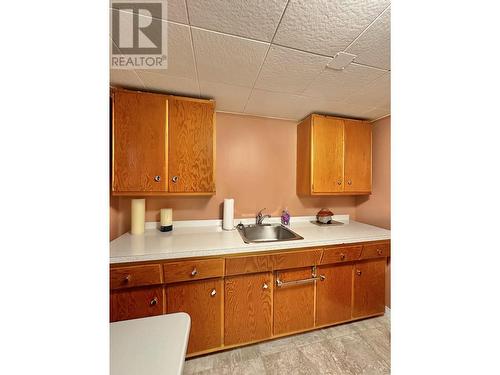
(334, 294)
(191, 145)
(247, 308)
(248, 264)
(328, 155)
(193, 270)
(139, 142)
(136, 303)
(202, 300)
(296, 259)
(369, 288)
(294, 304)
(134, 276)
(357, 156)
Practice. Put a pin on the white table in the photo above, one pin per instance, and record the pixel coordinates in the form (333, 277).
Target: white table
(149, 346)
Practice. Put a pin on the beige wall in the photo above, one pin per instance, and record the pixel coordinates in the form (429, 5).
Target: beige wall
(255, 165)
(375, 209)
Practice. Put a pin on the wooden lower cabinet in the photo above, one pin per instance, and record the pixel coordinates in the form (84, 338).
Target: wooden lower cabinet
(247, 308)
(202, 300)
(369, 288)
(293, 303)
(334, 294)
(136, 303)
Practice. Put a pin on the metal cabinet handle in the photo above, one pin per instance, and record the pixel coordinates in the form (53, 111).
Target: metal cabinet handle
(127, 278)
(265, 286)
(157, 178)
(342, 256)
(349, 182)
(358, 272)
(339, 181)
(322, 277)
(153, 302)
(213, 292)
(313, 278)
(379, 251)
(175, 179)
(194, 272)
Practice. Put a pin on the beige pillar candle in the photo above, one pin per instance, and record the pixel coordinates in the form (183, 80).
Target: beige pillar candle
(165, 217)
(138, 215)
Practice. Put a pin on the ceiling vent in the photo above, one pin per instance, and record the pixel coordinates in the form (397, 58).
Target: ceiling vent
(341, 60)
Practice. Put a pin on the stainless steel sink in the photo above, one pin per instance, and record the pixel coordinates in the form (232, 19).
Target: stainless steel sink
(266, 233)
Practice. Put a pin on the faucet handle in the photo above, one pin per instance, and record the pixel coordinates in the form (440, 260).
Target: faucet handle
(260, 212)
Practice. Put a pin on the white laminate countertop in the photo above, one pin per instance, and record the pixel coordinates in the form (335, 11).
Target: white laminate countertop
(206, 238)
(153, 346)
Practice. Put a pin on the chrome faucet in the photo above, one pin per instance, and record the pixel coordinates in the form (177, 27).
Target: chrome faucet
(260, 218)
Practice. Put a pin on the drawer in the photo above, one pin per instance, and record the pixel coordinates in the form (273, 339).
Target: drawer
(341, 254)
(296, 259)
(136, 303)
(377, 250)
(193, 270)
(132, 276)
(248, 264)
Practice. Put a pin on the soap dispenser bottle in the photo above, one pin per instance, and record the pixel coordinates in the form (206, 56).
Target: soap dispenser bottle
(285, 217)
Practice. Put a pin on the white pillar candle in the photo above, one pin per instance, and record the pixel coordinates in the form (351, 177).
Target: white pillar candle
(138, 216)
(165, 217)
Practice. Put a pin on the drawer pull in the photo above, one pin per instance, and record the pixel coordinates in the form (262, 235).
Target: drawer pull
(322, 277)
(349, 182)
(153, 302)
(342, 256)
(157, 178)
(339, 181)
(358, 272)
(127, 278)
(194, 272)
(379, 251)
(265, 286)
(213, 292)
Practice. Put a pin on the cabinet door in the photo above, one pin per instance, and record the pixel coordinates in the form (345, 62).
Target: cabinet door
(139, 142)
(191, 146)
(247, 307)
(202, 300)
(334, 294)
(293, 304)
(369, 288)
(327, 155)
(136, 303)
(358, 156)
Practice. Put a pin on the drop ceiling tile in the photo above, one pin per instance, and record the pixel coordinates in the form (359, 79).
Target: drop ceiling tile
(227, 97)
(288, 70)
(176, 11)
(227, 59)
(373, 47)
(326, 26)
(273, 104)
(125, 78)
(340, 84)
(254, 19)
(170, 85)
(180, 54)
(375, 94)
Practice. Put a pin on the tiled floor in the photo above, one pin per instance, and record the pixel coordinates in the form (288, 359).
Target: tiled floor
(361, 347)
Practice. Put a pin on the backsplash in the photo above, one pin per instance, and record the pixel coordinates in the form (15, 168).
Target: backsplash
(255, 165)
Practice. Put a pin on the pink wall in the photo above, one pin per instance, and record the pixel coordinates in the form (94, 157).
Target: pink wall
(375, 209)
(255, 165)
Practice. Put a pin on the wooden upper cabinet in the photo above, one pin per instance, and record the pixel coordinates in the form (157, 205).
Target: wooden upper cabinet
(191, 145)
(333, 156)
(162, 144)
(357, 156)
(139, 138)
